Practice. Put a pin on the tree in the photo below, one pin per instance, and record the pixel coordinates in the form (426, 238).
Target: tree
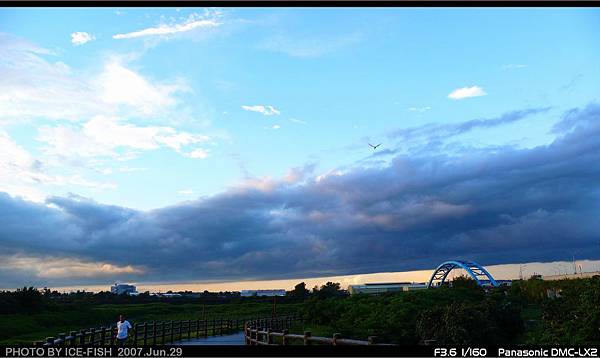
(486, 322)
(30, 299)
(300, 291)
(466, 282)
(330, 289)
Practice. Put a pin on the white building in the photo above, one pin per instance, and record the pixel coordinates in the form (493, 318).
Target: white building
(121, 288)
(262, 293)
(378, 288)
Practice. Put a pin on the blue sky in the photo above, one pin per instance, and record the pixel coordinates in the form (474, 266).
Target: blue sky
(147, 110)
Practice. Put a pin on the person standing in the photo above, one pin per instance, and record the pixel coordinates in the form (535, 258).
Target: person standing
(123, 327)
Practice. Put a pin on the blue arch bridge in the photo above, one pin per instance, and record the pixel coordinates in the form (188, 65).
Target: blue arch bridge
(476, 271)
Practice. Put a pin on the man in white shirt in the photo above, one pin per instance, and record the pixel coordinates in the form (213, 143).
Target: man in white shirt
(123, 326)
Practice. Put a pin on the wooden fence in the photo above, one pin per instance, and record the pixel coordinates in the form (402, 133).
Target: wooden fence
(155, 332)
(275, 332)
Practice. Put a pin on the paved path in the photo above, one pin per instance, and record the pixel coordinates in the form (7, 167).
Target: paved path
(226, 340)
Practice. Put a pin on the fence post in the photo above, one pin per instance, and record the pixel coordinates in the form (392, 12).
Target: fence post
(145, 334)
(197, 328)
(136, 328)
(92, 336)
(73, 335)
(269, 337)
(106, 335)
(307, 335)
(189, 326)
(205, 327)
(284, 338)
(112, 335)
(162, 331)
(154, 332)
(62, 337)
(336, 336)
(171, 330)
(82, 337)
(102, 336)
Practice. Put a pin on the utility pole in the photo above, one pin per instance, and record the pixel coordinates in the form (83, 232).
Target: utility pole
(521, 271)
(274, 306)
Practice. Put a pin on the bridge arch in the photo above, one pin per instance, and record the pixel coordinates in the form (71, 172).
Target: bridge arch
(476, 271)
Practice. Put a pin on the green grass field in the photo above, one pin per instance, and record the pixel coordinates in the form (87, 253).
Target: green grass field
(23, 328)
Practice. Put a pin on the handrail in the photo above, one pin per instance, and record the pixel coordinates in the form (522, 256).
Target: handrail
(154, 332)
(259, 332)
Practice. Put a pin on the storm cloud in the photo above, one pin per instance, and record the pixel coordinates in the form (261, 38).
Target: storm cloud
(491, 205)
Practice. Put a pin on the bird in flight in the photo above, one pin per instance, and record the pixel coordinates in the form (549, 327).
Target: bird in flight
(374, 146)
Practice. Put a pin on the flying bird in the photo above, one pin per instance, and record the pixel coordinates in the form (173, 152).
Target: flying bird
(374, 146)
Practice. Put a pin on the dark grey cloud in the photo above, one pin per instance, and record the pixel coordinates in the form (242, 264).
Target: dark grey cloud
(436, 132)
(492, 205)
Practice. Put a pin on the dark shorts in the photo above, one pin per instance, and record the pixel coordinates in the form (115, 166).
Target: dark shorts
(121, 341)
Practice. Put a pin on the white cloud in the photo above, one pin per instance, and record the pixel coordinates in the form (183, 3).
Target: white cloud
(513, 66)
(299, 121)
(185, 192)
(419, 109)
(122, 86)
(17, 170)
(310, 46)
(466, 92)
(101, 108)
(194, 21)
(275, 126)
(198, 153)
(80, 38)
(108, 137)
(23, 175)
(32, 86)
(266, 110)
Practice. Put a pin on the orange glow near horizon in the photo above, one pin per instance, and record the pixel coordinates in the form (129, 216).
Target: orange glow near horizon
(508, 271)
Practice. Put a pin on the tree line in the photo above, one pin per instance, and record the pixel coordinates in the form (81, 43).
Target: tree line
(530, 311)
(568, 312)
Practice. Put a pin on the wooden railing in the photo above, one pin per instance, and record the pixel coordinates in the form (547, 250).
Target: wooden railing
(155, 332)
(275, 332)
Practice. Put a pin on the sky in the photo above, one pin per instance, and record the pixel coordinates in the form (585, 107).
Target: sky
(177, 145)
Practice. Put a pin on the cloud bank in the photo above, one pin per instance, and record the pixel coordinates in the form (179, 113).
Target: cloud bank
(493, 206)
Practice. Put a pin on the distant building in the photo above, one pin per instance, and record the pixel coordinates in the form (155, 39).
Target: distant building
(121, 288)
(262, 293)
(378, 288)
